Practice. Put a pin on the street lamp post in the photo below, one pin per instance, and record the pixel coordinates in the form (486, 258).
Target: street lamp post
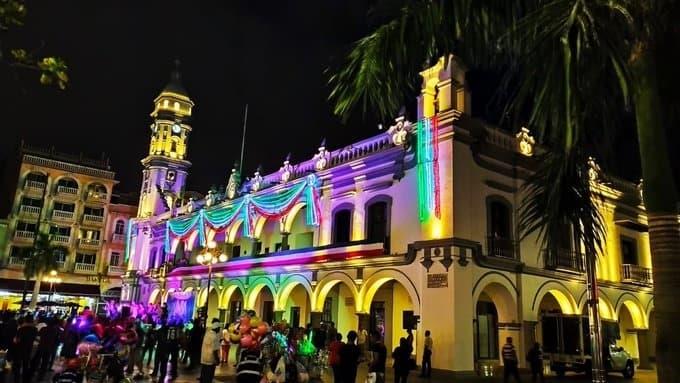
(52, 279)
(209, 257)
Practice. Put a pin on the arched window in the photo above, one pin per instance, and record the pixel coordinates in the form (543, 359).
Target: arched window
(120, 227)
(152, 258)
(378, 221)
(67, 185)
(342, 225)
(499, 228)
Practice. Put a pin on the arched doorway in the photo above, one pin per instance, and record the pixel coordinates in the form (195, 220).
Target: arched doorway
(263, 304)
(553, 302)
(495, 318)
(297, 308)
(630, 322)
(234, 305)
(390, 310)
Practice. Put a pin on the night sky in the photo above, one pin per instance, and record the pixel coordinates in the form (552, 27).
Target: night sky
(268, 54)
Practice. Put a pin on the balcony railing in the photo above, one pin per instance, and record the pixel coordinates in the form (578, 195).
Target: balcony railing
(97, 197)
(117, 270)
(34, 186)
(61, 239)
(22, 235)
(29, 211)
(67, 191)
(89, 243)
(61, 265)
(84, 267)
(17, 261)
(62, 215)
(118, 238)
(564, 260)
(93, 219)
(500, 247)
(636, 274)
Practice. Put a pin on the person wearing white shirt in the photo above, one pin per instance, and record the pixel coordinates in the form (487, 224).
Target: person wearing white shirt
(210, 352)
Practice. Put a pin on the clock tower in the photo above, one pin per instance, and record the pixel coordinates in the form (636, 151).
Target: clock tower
(166, 166)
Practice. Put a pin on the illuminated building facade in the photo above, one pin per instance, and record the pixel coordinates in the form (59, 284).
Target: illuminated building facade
(68, 197)
(420, 220)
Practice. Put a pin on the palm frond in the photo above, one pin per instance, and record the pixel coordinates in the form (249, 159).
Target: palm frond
(559, 195)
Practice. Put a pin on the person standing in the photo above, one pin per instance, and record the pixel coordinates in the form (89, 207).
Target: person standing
(349, 358)
(378, 357)
(249, 367)
(427, 356)
(150, 341)
(334, 357)
(535, 359)
(226, 345)
(509, 361)
(402, 360)
(210, 351)
(46, 346)
(23, 347)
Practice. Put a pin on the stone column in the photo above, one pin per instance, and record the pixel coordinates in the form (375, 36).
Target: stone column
(278, 315)
(364, 321)
(643, 349)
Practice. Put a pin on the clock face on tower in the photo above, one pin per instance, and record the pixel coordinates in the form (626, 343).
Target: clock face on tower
(176, 128)
(170, 177)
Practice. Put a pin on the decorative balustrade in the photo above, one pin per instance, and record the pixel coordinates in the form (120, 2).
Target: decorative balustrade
(84, 267)
(29, 211)
(89, 242)
(34, 185)
(93, 219)
(118, 238)
(62, 215)
(636, 274)
(22, 235)
(67, 191)
(17, 261)
(117, 270)
(61, 239)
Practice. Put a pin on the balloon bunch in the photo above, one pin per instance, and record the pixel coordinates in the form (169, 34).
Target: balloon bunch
(249, 332)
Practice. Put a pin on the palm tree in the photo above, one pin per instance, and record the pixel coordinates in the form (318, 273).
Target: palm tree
(41, 258)
(572, 64)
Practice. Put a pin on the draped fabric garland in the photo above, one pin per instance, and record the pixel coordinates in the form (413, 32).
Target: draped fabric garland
(269, 203)
(428, 168)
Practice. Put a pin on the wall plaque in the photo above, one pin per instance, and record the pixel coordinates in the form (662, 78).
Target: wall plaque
(436, 281)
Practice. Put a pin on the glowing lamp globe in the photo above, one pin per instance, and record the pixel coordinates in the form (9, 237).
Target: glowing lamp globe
(199, 258)
(223, 257)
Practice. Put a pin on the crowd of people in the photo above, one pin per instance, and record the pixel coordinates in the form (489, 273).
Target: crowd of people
(137, 345)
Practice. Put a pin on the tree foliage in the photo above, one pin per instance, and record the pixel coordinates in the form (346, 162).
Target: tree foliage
(52, 70)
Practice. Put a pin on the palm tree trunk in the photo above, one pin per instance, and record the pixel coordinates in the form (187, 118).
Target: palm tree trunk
(661, 198)
(36, 291)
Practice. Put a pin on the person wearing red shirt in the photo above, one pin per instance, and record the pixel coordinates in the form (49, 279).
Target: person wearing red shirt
(334, 357)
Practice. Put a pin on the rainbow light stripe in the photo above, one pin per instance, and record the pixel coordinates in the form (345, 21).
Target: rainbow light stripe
(428, 168)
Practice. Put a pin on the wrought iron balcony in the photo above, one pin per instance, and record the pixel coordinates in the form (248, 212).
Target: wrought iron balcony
(636, 274)
(84, 267)
(500, 247)
(564, 260)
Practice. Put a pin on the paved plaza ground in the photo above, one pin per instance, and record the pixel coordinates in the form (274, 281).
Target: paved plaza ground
(226, 374)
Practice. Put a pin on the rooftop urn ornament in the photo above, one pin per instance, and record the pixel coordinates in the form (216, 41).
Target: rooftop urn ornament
(233, 183)
(321, 158)
(525, 142)
(191, 205)
(640, 191)
(286, 170)
(593, 170)
(400, 130)
(256, 182)
(211, 198)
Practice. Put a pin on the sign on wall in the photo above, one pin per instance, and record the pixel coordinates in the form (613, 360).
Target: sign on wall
(436, 281)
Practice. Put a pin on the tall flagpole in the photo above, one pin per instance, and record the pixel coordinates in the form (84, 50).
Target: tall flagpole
(243, 140)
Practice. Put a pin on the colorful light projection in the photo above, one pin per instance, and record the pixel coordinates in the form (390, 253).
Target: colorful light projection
(270, 203)
(428, 169)
(128, 240)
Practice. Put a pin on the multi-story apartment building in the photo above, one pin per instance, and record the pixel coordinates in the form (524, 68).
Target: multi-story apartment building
(68, 197)
(420, 220)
